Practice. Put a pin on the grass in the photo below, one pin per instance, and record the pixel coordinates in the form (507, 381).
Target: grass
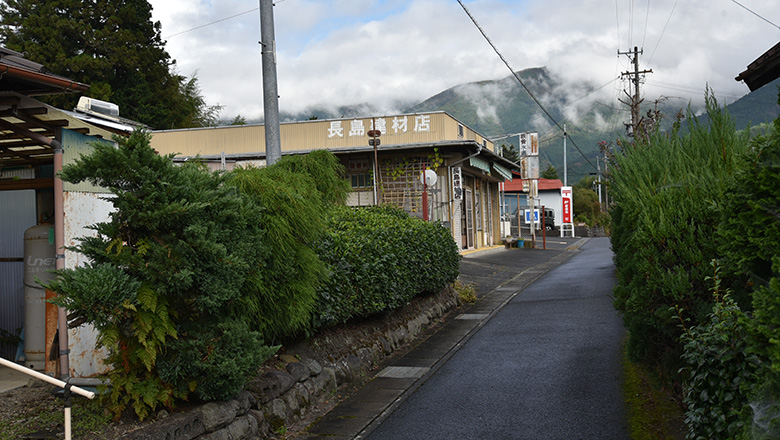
(653, 411)
(88, 418)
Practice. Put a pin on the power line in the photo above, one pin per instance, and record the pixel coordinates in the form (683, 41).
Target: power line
(754, 13)
(662, 32)
(213, 22)
(647, 18)
(517, 77)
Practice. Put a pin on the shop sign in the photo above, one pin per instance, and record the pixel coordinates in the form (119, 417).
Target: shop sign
(391, 126)
(566, 199)
(457, 184)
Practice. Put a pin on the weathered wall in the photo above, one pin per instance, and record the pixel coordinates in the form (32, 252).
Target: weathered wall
(81, 210)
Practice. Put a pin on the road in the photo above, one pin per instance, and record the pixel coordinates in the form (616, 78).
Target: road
(545, 366)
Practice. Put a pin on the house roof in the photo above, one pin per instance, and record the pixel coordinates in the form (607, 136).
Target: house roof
(29, 78)
(763, 70)
(516, 185)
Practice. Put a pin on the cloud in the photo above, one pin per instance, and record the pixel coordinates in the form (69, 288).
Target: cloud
(342, 52)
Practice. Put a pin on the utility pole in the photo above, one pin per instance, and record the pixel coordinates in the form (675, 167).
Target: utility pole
(635, 99)
(565, 168)
(273, 145)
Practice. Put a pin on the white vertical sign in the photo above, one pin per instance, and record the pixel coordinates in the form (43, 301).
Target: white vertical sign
(457, 184)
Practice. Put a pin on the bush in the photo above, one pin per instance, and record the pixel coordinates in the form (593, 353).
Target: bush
(665, 193)
(295, 194)
(380, 258)
(719, 372)
(177, 255)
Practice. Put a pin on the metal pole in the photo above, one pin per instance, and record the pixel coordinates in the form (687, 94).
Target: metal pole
(273, 146)
(59, 259)
(598, 168)
(565, 169)
(376, 163)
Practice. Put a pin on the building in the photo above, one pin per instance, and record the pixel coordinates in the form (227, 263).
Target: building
(464, 196)
(35, 141)
(515, 201)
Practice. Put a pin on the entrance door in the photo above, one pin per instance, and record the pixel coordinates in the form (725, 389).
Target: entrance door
(469, 201)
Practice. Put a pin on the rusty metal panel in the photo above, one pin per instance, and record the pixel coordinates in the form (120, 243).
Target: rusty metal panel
(81, 210)
(75, 145)
(13, 223)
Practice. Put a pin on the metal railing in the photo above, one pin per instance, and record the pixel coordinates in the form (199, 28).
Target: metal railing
(69, 388)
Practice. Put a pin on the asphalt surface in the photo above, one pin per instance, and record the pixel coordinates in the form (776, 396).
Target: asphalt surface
(536, 357)
(547, 365)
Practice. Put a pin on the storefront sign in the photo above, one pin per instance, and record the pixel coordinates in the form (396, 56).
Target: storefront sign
(457, 184)
(566, 198)
(391, 126)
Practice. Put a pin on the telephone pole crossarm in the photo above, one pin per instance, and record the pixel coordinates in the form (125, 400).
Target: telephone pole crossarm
(636, 99)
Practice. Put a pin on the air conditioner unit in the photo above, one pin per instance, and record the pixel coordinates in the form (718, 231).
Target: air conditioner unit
(91, 105)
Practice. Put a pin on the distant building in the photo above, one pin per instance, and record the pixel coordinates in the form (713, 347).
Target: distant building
(515, 201)
(464, 198)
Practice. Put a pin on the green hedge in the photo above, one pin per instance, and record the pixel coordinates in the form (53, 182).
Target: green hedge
(380, 258)
(196, 274)
(664, 220)
(168, 261)
(685, 205)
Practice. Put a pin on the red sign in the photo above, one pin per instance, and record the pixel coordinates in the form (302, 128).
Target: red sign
(566, 210)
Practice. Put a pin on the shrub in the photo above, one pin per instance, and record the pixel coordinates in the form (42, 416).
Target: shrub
(719, 371)
(749, 237)
(295, 194)
(664, 216)
(175, 257)
(379, 259)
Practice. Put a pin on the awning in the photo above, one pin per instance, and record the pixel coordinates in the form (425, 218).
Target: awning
(503, 172)
(482, 164)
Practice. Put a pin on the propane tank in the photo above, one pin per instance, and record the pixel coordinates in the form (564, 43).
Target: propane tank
(39, 261)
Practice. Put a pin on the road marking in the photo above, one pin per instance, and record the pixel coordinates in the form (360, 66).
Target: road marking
(403, 372)
(472, 316)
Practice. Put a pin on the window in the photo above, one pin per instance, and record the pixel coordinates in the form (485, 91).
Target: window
(362, 180)
(460, 131)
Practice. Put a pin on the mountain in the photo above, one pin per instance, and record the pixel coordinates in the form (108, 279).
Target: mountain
(501, 107)
(496, 108)
(757, 107)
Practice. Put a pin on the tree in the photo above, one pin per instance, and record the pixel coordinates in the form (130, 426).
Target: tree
(112, 45)
(238, 120)
(550, 173)
(510, 153)
(193, 110)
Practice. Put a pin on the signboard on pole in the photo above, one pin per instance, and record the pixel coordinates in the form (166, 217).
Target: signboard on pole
(567, 200)
(457, 184)
(528, 215)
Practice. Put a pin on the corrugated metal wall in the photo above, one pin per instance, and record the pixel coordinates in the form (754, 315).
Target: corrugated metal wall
(14, 222)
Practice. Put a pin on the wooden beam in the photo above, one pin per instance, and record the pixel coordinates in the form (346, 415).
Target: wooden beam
(26, 153)
(17, 184)
(6, 146)
(29, 111)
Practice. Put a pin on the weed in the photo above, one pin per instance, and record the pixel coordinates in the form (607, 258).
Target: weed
(467, 293)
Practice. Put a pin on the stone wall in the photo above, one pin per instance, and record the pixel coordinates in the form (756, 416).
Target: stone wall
(295, 384)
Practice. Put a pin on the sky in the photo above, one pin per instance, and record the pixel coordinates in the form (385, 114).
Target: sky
(393, 52)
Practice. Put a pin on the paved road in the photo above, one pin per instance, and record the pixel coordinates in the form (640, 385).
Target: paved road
(546, 366)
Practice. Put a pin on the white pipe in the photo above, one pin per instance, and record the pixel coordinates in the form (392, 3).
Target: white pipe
(67, 423)
(45, 378)
(56, 382)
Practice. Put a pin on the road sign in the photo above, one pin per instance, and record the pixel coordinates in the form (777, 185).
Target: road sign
(374, 133)
(528, 215)
(374, 142)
